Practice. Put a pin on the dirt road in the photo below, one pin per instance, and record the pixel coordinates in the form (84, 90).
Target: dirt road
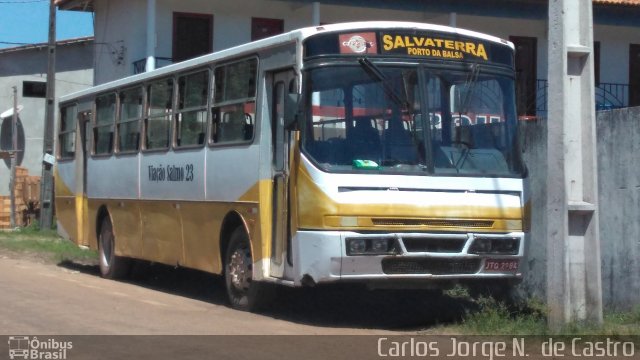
(68, 298)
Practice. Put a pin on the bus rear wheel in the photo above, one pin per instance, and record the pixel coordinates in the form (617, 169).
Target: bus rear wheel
(111, 266)
(243, 293)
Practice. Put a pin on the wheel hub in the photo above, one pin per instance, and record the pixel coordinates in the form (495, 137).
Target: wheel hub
(106, 243)
(240, 269)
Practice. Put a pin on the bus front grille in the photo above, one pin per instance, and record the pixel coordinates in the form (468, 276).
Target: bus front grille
(433, 222)
(433, 266)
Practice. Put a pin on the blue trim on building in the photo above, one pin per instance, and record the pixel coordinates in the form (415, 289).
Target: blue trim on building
(617, 15)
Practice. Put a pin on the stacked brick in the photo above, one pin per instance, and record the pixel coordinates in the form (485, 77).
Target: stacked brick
(27, 197)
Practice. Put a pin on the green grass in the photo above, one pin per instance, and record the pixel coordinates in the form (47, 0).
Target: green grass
(44, 244)
(495, 318)
(529, 318)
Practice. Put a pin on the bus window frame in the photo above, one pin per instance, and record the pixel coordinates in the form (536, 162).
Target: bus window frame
(94, 125)
(139, 120)
(62, 133)
(177, 112)
(213, 105)
(146, 115)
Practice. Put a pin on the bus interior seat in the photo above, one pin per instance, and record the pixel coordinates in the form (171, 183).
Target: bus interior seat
(248, 131)
(134, 139)
(232, 127)
(398, 144)
(364, 141)
(330, 151)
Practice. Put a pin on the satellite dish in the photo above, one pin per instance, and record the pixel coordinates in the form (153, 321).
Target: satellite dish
(9, 112)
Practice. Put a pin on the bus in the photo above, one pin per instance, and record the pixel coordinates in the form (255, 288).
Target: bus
(376, 153)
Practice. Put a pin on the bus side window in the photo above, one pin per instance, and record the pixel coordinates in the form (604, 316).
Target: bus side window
(191, 118)
(104, 124)
(67, 133)
(129, 120)
(159, 114)
(234, 102)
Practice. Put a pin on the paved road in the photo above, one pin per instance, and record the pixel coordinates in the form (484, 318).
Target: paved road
(40, 298)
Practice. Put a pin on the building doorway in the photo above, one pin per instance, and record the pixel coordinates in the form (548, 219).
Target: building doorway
(262, 28)
(526, 74)
(192, 35)
(634, 75)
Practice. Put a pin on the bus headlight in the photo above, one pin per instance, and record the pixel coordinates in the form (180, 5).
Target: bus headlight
(379, 246)
(371, 246)
(497, 246)
(356, 246)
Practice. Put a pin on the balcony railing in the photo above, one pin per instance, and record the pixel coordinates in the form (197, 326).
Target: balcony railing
(139, 65)
(608, 96)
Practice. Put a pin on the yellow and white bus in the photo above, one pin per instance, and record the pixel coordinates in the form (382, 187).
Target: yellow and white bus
(382, 153)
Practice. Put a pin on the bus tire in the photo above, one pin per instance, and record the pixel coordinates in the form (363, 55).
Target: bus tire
(111, 266)
(243, 293)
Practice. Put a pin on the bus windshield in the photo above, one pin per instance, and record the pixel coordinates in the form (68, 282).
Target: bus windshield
(387, 118)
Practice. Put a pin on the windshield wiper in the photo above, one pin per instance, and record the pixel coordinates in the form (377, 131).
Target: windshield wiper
(469, 86)
(374, 72)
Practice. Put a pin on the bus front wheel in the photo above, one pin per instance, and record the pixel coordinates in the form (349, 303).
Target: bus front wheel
(244, 294)
(111, 266)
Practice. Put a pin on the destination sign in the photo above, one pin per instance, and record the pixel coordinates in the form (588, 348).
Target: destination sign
(430, 45)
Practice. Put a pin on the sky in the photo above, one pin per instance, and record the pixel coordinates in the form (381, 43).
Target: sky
(27, 22)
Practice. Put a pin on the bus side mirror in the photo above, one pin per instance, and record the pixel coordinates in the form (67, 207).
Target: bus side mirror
(291, 110)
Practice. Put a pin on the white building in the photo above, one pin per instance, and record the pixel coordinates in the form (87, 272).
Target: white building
(26, 68)
(138, 34)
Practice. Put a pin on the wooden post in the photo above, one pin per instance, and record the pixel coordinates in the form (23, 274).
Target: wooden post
(14, 157)
(46, 189)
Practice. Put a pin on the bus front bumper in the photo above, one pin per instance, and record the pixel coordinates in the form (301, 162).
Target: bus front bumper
(411, 258)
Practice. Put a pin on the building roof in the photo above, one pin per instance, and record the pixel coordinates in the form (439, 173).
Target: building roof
(618, 2)
(79, 5)
(40, 46)
(87, 5)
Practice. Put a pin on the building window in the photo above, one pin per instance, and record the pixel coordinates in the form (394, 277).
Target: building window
(262, 28)
(234, 102)
(526, 68)
(191, 115)
(129, 120)
(35, 89)
(103, 127)
(596, 62)
(158, 121)
(192, 35)
(67, 133)
(634, 75)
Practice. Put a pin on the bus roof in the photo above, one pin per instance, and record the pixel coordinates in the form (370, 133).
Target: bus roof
(298, 35)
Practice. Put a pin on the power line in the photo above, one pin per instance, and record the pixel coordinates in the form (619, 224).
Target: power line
(22, 2)
(15, 43)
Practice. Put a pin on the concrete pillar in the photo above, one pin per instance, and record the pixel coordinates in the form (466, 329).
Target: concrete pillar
(574, 285)
(315, 13)
(151, 36)
(453, 19)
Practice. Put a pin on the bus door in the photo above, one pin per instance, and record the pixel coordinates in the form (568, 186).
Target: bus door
(281, 140)
(82, 216)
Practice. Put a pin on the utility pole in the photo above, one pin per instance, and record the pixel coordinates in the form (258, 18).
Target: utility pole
(46, 186)
(574, 283)
(14, 158)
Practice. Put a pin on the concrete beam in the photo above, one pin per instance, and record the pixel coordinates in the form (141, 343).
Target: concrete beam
(151, 36)
(574, 284)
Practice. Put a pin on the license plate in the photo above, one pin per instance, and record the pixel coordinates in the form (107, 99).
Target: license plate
(500, 265)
